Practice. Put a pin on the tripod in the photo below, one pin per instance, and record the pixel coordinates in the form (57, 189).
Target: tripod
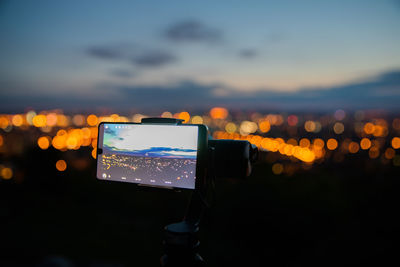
(181, 242)
(233, 158)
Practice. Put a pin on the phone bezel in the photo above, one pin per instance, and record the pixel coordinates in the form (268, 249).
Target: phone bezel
(201, 161)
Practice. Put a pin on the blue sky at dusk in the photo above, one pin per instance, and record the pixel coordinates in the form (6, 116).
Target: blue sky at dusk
(98, 50)
(147, 138)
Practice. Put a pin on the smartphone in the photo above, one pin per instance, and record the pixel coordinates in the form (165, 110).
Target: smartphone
(158, 155)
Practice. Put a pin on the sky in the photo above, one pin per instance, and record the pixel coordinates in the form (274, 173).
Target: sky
(55, 50)
(143, 137)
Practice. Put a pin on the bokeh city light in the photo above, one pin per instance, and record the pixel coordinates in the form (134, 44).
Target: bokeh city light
(291, 138)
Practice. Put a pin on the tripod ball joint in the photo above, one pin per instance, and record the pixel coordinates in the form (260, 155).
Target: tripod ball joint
(181, 245)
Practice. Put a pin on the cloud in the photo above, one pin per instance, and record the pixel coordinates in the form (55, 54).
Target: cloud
(134, 54)
(154, 59)
(192, 31)
(105, 52)
(248, 53)
(381, 92)
(390, 76)
(110, 131)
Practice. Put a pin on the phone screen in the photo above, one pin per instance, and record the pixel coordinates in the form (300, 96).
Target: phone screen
(154, 155)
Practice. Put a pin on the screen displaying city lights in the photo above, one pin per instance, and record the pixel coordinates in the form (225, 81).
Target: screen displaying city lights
(155, 155)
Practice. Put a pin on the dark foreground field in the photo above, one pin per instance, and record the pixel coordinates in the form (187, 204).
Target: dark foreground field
(327, 216)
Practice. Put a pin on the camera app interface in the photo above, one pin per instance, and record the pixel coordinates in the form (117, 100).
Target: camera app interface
(159, 155)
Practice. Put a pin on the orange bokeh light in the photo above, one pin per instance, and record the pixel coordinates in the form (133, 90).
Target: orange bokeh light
(62, 120)
(379, 131)
(305, 155)
(78, 120)
(86, 133)
(72, 142)
(331, 144)
(17, 120)
(51, 119)
(185, 116)
(319, 152)
(396, 142)
(39, 120)
(93, 132)
(61, 165)
(365, 143)
(390, 153)
(354, 147)
(289, 148)
(309, 126)
(256, 140)
(369, 128)
(43, 142)
(304, 142)
(166, 114)
(318, 143)
(219, 113)
(6, 173)
(292, 142)
(92, 120)
(59, 141)
(4, 122)
(264, 126)
(338, 128)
